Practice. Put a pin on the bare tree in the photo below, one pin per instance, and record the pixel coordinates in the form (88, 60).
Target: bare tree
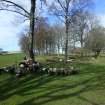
(32, 24)
(24, 43)
(44, 38)
(12, 6)
(65, 10)
(59, 37)
(40, 34)
(96, 40)
(81, 26)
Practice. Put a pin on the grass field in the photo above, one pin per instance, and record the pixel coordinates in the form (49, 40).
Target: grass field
(85, 88)
(6, 60)
(10, 59)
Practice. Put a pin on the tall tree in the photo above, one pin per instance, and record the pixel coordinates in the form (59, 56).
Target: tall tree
(12, 6)
(81, 26)
(24, 43)
(32, 27)
(59, 34)
(65, 10)
(96, 40)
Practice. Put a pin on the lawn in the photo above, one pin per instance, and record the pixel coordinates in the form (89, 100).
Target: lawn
(10, 59)
(85, 88)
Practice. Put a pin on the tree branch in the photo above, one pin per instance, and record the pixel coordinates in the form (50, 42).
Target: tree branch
(61, 5)
(17, 5)
(14, 12)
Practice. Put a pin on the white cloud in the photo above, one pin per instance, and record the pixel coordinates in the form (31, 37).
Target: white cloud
(8, 38)
(9, 29)
(9, 32)
(102, 20)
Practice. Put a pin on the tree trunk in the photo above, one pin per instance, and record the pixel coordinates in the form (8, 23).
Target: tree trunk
(97, 53)
(58, 50)
(82, 47)
(81, 41)
(66, 42)
(32, 24)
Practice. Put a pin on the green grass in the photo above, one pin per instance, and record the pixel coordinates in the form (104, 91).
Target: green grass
(6, 60)
(10, 59)
(85, 88)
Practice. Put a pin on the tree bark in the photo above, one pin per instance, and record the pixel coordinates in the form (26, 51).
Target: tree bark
(81, 44)
(66, 41)
(32, 24)
(67, 29)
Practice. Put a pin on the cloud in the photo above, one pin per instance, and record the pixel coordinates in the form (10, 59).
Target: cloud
(102, 19)
(9, 31)
(8, 39)
(11, 26)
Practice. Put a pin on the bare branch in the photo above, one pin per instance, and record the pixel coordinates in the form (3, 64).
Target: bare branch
(14, 12)
(61, 5)
(17, 5)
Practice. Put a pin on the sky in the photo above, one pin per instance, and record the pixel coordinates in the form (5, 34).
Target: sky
(10, 30)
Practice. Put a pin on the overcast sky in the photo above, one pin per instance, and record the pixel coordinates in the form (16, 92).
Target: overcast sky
(9, 29)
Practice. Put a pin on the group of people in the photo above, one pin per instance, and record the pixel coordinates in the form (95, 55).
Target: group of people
(29, 64)
(24, 67)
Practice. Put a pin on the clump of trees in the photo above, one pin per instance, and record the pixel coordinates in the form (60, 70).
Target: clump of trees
(47, 39)
(96, 40)
(15, 7)
(74, 30)
(65, 10)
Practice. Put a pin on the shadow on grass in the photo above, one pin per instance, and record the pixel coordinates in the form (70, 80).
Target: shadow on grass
(42, 92)
(13, 85)
(85, 99)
